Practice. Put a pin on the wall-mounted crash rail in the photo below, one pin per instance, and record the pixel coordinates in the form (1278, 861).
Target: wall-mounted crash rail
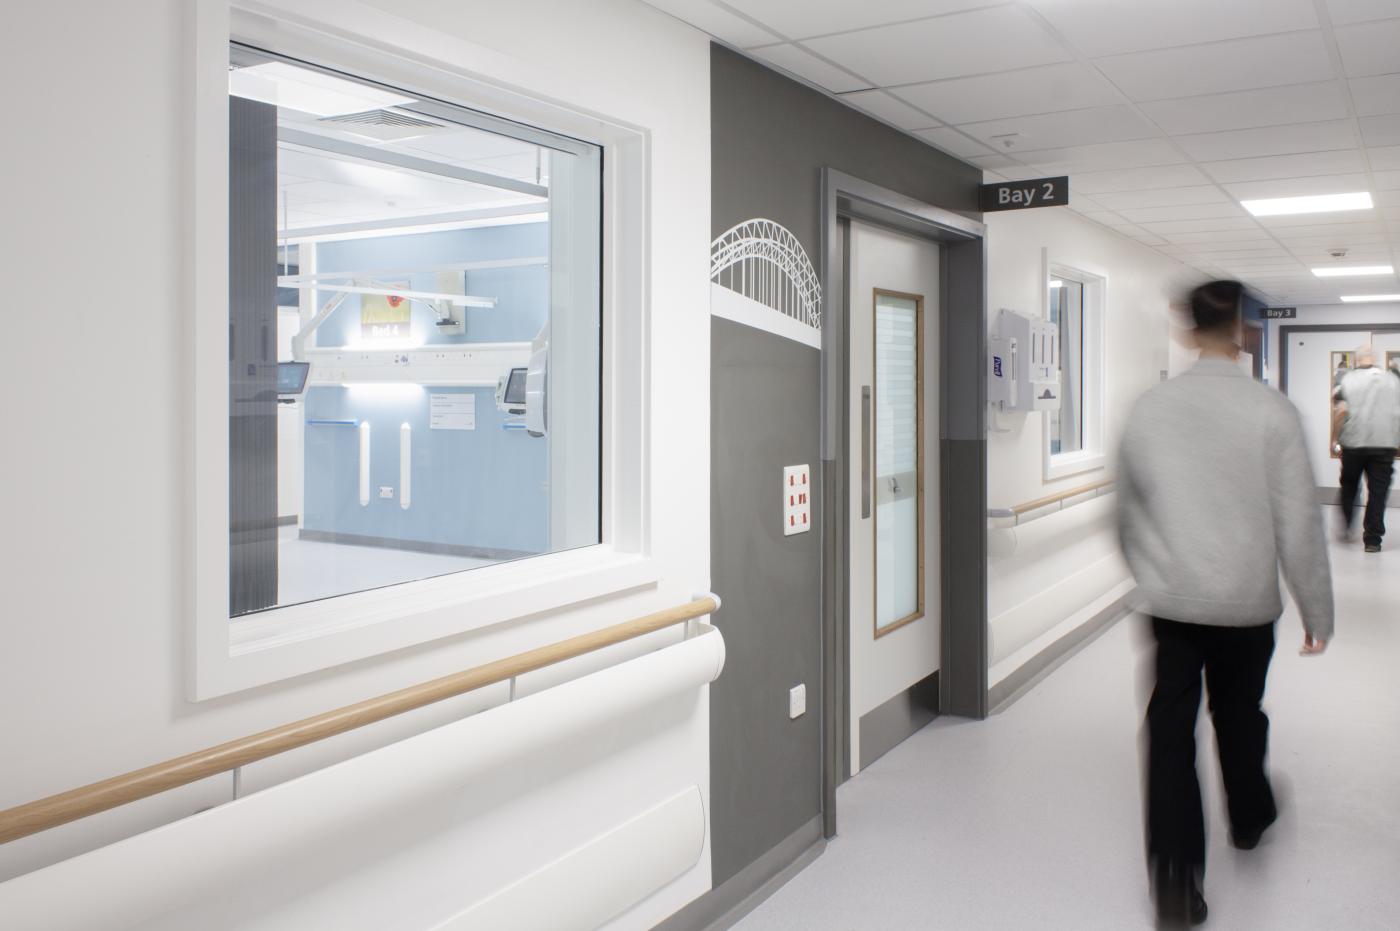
(45, 813)
(1028, 511)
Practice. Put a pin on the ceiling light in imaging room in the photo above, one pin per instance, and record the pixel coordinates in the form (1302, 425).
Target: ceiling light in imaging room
(1316, 203)
(1355, 271)
(1367, 298)
(286, 85)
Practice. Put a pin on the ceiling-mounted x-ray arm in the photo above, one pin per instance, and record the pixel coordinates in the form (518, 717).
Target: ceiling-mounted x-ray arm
(309, 327)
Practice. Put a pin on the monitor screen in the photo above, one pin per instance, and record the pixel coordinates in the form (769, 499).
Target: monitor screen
(291, 377)
(515, 389)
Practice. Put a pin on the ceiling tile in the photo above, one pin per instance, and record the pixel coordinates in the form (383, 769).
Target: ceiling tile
(1182, 212)
(1270, 140)
(1047, 89)
(1166, 197)
(717, 21)
(889, 109)
(1346, 161)
(1384, 158)
(1138, 179)
(997, 162)
(1299, 234)
(1298, 187)
(1334, 240)
(1057, 130)
(806, 65)
(1289, 224)
(800, 19)
(1381, 130)
(955, 143)
(1269, 106)
(1377, 94)
(1369, 48)
(1206, 252)
(1209, 225)
(1241, 64)
(1342, 12)
(1236, 238)
(1109, 27)
(977, 42)
(1142, 153)
(1386, 180)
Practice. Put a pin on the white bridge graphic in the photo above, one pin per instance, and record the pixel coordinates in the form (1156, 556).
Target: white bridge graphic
(764, 262)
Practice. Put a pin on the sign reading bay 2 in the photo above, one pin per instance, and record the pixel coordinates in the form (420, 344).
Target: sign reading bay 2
(1020, 195)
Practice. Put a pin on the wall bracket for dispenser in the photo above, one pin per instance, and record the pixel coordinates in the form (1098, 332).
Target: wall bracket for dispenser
(1023, 363)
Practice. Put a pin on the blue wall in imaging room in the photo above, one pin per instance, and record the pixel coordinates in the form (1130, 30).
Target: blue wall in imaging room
(522, 294)
(483, 488)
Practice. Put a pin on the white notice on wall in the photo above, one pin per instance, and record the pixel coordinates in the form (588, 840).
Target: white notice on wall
(452, 411)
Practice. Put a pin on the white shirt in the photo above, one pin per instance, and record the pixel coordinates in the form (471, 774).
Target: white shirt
(1372, 397)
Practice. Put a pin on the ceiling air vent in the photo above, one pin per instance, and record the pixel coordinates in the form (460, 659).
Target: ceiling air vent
(384, 125)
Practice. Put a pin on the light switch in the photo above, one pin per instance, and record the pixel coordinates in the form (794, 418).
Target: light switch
(797, 499)
(797, 701)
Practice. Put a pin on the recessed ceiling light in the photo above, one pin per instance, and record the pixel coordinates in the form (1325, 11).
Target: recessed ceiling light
(1335, 271)
(286, 85)
(1365, 298)
(1315, 203)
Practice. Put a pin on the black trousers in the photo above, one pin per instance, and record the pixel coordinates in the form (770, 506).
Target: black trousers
(1236, 663)
(1379, 465)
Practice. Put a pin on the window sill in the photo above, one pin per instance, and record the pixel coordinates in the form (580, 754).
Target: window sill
(298, 639)
(1063, 465)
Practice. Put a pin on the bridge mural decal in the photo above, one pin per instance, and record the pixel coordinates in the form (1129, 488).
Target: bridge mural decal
(764, 262)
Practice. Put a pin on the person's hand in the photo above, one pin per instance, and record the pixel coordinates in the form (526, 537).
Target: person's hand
(1311, 646)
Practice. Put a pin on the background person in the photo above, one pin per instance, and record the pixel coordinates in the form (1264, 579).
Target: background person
(1366, 425)
(1214, 495)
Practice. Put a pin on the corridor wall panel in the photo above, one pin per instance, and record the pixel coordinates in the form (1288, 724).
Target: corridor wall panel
(770, 139)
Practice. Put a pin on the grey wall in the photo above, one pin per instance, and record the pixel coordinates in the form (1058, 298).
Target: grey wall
(770, 139)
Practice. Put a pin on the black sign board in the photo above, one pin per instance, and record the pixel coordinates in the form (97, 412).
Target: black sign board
(1280, 313)
(1020, 195)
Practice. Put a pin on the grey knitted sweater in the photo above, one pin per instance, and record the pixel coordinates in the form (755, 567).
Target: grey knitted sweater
(1215, 495)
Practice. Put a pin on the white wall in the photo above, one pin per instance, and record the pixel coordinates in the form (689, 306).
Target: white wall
(97, 563)
(1049, 573)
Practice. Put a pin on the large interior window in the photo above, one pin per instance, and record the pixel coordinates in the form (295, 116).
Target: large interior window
(414, 336)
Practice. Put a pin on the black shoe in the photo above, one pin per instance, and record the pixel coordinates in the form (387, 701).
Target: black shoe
(1179, 900)
(1248, 840)
(1373, 547)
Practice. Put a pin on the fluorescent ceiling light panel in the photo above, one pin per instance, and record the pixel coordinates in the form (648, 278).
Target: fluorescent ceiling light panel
(1367, 298)
(286, 85)
(1357, 271)
(1315, 203)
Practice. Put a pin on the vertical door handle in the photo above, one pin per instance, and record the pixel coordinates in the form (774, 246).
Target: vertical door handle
(865, 451)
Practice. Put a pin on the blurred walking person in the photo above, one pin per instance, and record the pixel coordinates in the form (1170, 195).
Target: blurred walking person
(1215, 494)
(1366, 426)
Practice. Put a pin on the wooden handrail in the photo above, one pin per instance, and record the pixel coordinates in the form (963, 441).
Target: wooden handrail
(45, 813)
(1027, 506)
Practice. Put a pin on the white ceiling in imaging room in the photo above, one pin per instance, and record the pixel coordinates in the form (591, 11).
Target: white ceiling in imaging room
(1164, 113)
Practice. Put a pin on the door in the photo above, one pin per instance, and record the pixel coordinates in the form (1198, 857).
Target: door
(893, 559)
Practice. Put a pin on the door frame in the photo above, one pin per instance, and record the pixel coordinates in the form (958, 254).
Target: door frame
(962, 436)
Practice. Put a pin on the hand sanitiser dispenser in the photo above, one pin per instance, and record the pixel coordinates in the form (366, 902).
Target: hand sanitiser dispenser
(1023, 363)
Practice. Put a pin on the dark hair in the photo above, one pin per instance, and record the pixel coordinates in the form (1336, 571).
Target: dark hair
(1215, 306)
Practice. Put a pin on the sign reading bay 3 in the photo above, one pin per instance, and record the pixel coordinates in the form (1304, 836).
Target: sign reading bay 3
(1280, 313)
(1019, 195)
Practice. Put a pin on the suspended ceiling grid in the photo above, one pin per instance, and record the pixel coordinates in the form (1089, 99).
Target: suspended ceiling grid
(1164, 113)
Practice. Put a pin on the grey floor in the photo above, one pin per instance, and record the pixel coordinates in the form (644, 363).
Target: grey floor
(308, 570)
(1032, 819)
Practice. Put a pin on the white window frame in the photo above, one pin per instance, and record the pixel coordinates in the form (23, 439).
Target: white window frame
(1091, 456)
(297, 639)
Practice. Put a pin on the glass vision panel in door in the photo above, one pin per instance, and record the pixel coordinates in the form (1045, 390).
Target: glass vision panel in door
(899, 545)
